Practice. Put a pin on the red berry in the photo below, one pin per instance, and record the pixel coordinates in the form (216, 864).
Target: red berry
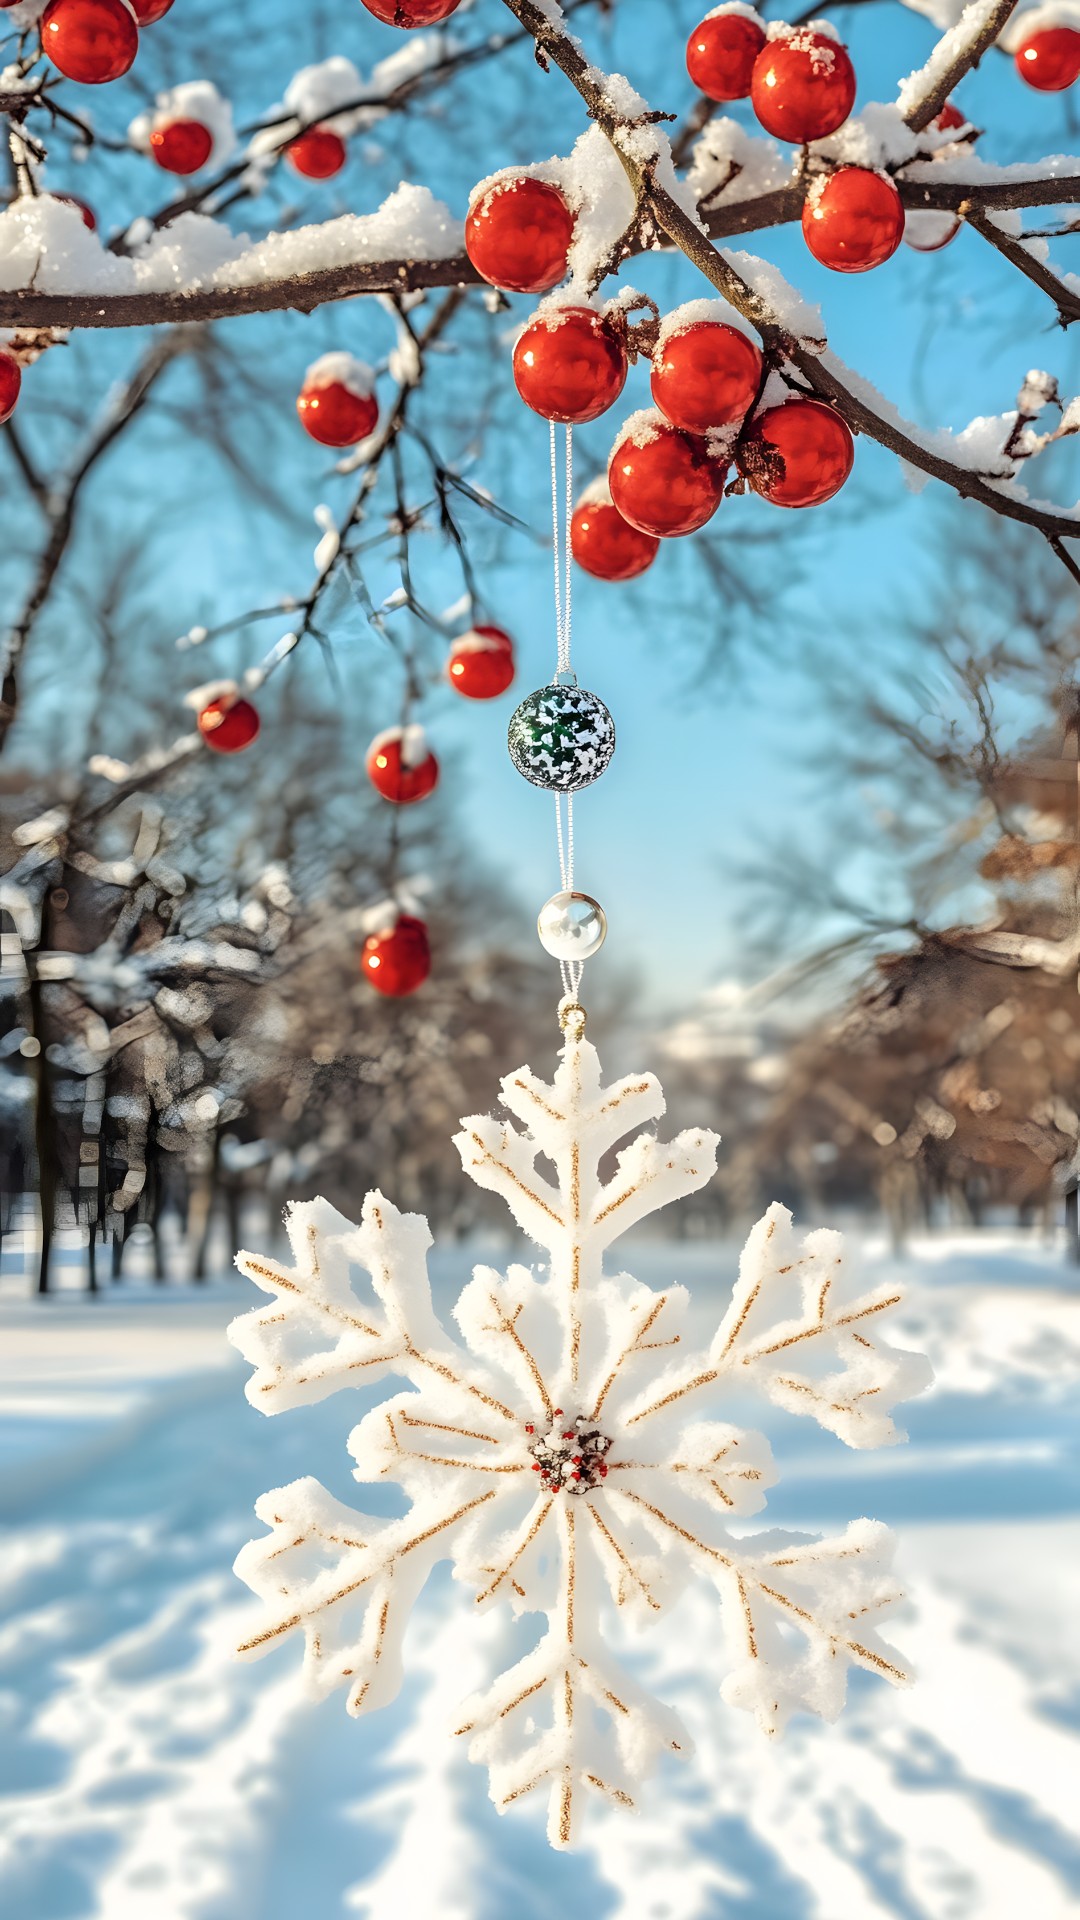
(147, 11)
(854, 222)
(400, 766)
(665, 481)
(228, 724)
(86, 214)
(481, 663)
(949, 118)
(90, 40)
(334, 415)
(705, 375)
(518, 234)
(182, 146)
(398, 959)
(803, 85)
(720, 54)
(797, 454)
(570, 365)
(606, 545)
(927, 229)
(318, 154)
(10, 382)
(1050, 60)
(411, 13)
(530, 1429)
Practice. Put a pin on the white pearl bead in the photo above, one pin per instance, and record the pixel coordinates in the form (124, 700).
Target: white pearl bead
(572, 926)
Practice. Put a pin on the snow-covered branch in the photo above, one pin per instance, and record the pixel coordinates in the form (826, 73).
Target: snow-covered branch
(760, 294)
(925, 92)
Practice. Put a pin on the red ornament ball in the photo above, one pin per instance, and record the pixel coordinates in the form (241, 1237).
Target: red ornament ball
(182, 146)
(803, 85)
(1050, 59)
(318, 154)
(481, 663)
(411, 13)
(854, 222)
(10, 382)
(606, 545)
(401, 767)
(334, 415)
(798, 454)
(90, 40)
(570, 365)
(397, 960)
(720, 54)
(228, 724)
(86, 214)
(705, 375)
(147, 11)
(664, 481)
(518, 235)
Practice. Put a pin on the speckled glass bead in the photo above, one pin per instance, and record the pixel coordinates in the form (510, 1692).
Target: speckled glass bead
(561, 738)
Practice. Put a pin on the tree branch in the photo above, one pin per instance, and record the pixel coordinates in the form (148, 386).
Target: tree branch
(63, 508)
(823, 374)
(1013, 247)
(924, 94)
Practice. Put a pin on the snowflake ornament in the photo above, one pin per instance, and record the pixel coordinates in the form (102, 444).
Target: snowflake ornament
(561, 1451)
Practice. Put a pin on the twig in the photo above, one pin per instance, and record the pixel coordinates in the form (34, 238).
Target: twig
(923, 103)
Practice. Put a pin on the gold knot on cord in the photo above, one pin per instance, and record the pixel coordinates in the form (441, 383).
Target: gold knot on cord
(572, 1017)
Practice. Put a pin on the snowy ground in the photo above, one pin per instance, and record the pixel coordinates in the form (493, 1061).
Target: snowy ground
(146, 1776)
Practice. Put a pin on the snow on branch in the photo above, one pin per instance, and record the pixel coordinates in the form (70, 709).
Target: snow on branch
(924, 93)
(53, 272)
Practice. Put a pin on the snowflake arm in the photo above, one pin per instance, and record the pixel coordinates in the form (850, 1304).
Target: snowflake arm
(319, 1335)
(810, 1344)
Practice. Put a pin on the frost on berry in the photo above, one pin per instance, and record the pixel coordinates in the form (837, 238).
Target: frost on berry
(566, 1448)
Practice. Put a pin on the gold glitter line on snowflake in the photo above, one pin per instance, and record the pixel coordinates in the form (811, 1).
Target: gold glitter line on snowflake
(256, 1269)
(530, 1536)
(448, 1460)
(624, 1558)
(443, 1426)
(508, 1325)
(865, 1654)
(320, 1606)
(636, 1346)
(515, 1180)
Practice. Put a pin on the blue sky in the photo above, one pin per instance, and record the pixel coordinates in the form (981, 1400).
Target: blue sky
(703, 771)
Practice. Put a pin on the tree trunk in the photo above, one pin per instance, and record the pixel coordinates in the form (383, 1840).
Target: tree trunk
(1072, 1224)
(203, 1209)
(44, 1137)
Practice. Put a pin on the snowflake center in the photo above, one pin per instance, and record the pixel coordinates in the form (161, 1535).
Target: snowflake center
(570, 1455)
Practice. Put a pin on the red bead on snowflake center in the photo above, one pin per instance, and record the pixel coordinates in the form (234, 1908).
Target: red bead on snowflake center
(570, 1455)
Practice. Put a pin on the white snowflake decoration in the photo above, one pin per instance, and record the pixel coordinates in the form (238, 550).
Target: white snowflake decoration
(548, 1456)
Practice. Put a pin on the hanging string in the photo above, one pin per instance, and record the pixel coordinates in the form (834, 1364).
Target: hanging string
(571, 970)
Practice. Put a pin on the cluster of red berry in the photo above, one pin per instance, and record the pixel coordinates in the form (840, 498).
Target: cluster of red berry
(95, 41)
(666, 476)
